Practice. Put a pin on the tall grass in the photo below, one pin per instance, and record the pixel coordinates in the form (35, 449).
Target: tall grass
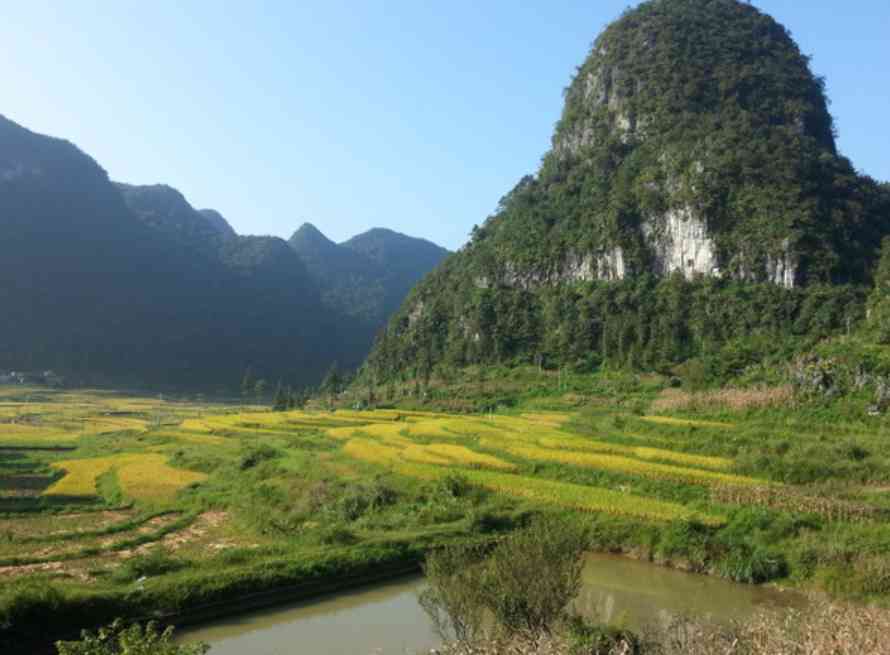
(678, 400)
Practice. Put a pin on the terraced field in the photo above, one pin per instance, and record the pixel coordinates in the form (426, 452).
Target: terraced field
(99, 490)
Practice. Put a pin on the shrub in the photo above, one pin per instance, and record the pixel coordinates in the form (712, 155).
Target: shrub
(118, 639)
(453, 598)
(337, 536)
(525, 584)
(585, 639)
(24, 599)
(360, 499)
(256, 454)
(752, 564)
(454, 485)
(157, 561)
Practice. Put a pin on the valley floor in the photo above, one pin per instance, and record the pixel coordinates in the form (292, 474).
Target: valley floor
(112, 505)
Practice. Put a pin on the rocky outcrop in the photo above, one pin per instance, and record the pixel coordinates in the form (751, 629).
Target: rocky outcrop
(680, 241)
(677, 240)
(573, 268)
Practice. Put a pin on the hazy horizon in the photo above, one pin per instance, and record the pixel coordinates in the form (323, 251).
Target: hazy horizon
(351, 116)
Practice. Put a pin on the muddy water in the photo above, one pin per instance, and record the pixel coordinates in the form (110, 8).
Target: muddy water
(387, 619)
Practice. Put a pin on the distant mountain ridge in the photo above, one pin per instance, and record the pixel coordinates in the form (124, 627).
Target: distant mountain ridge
(369, 275)
(118, 283)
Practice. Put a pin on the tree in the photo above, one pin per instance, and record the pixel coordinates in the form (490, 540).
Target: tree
(279, 404)
(259, 389)
(879, 300)
(247, 382)
(521, 589)
(333, 381)
(298, 398)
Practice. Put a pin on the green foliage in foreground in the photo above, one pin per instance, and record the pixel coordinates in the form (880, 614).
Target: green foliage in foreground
(521, 588)
(118, 639)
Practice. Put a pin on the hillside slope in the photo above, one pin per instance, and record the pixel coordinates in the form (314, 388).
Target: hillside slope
(693, 195)
(121, 284)
(368, 276)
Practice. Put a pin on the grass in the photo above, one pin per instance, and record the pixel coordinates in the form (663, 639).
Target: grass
(684, 422)
(255, 499)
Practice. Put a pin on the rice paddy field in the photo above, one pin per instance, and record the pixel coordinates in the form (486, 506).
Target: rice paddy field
(118, 505)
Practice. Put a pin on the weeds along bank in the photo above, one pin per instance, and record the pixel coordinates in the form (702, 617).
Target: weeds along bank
(119, 506)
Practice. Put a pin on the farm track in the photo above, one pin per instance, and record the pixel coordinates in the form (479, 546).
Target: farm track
(151, 531)
(170, 531)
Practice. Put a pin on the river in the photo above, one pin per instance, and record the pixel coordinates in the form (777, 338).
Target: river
(387, 619)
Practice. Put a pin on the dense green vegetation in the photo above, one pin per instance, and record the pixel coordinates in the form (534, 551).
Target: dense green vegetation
(518, 598)
(644, 322)
(686, 113)
(368, 276)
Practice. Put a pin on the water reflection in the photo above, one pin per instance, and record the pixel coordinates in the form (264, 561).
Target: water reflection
(388, 619)
(635, 594)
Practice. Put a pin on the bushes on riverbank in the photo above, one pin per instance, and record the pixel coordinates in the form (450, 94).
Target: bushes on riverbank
(516, 598)
(828, 629)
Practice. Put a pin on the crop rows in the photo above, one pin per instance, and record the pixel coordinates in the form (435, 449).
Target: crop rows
(791, 500)
(567, 495)
(630, 466)
(642, 452)
(439, 454)
(371, 451)
(141, 476)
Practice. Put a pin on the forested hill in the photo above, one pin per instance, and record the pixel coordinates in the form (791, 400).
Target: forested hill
(108, 283)
(693, 197)
(369, 275)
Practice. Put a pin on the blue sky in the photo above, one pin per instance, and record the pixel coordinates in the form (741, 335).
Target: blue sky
(407, 114)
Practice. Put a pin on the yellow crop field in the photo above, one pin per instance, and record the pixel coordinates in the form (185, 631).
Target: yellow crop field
(343, 434)
(114, 424)
(429, 428)
(564, 494)
(141, 476)
(196, 425)
(630, 466)
(18, 434)
(462, 455)
(589, 445)
(196, 438)
(682, 422)
(705, 461)
(371, 451)
(423, 455)
(80, 476)
(150, 478)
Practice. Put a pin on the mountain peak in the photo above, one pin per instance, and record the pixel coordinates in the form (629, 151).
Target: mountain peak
(308, 237)
(218, 221)
(695, 148)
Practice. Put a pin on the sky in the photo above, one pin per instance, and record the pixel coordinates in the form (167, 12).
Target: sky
(415, 115)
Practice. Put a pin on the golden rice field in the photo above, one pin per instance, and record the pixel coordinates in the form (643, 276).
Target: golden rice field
(141, 471)
(142, 476)
(499, 452)
(631, 466)
(570, 496)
